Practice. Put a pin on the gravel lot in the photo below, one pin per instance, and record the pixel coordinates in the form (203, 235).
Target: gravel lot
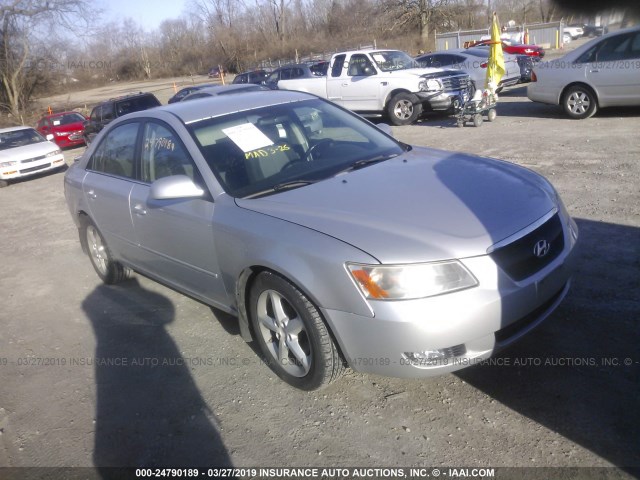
(565, 396)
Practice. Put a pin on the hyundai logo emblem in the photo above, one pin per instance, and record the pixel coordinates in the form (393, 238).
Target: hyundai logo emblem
(541, 248)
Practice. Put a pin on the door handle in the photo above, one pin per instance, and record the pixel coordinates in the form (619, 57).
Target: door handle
(594, 71)
(345, 84)
(92, 195)
(139, 210)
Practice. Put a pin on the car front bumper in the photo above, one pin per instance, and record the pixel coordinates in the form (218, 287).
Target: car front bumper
(466, 327)
(27, 168)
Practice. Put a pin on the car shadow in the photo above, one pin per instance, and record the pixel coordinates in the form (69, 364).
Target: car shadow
(149, 411)
(578, 373)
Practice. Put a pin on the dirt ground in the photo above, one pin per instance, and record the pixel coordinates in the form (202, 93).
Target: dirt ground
(565, 396)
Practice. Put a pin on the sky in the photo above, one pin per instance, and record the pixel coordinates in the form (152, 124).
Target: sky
(148, 13)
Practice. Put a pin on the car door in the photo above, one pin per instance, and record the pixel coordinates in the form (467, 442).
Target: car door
(361, 88)
(335, 79)
(107, 186)
(176, 236)
(613, 71)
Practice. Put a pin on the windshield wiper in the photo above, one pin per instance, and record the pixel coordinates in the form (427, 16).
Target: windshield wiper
(282, 186)
(366, 162)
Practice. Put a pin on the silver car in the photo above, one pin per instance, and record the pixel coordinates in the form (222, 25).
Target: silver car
(333, 246)
(604, 72)
(473, 61)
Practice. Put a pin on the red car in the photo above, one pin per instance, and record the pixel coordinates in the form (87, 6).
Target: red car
(67, 128)
(513, 48)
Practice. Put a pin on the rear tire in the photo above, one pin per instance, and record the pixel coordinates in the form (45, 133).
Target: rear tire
(491, 114)
(109, 270)
(579, 102)
(292, 335)
(403, 109)
(477, 120)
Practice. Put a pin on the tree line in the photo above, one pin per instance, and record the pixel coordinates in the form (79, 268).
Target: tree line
(47, 46)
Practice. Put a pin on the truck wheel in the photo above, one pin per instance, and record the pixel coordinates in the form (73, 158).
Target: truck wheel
(404, 109)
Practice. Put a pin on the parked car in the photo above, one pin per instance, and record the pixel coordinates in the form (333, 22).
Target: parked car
(298, 70)
(24, 152)
(472, 61)
(594, 30)
(254, 76)
(573, 31)
(601, 73)
(332, 247)
(215, 72)
(113, 108)
(67, 128)
(526, 64)
(225, 90)
(385, 82)
(183, 92)
(509, 46)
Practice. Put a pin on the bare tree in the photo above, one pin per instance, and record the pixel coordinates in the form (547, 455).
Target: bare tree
(423, 13)
(18, 19)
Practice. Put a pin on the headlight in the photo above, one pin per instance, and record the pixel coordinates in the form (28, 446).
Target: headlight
(8, 164)
(404, 282)
(431, 85)
(55, 152)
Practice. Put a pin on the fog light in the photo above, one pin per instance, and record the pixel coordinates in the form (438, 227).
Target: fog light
(429, 358)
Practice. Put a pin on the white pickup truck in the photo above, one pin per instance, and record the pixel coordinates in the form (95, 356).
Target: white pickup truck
(378, 82)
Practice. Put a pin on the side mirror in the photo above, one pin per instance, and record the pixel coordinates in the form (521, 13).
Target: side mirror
(174, 187)
(386, 128)
(49, 137)
(368, 71)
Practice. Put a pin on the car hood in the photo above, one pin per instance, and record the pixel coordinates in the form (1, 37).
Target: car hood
(421, 72)
(423, 206)
(27, 151)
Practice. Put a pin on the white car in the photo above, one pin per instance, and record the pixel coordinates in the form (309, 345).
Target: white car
(604, 72)
(571, 33)
(24, 152)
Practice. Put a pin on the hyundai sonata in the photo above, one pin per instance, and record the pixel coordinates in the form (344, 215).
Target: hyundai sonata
(332, 243)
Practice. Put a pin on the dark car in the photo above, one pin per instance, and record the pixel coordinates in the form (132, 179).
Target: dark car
(215, 72)
(67, 128)
(113, 108)
(178, 97)
(254, 76)
(217, 90)
(594, 30)
(526, 64)
(298, 70)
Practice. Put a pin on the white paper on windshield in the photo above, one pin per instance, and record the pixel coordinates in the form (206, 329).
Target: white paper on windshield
(56, 122)
(247, 136)
(378, 58)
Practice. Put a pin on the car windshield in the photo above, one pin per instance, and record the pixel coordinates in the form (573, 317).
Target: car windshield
(66, 119)
(19, 138)
(391, 60)
(267, 150)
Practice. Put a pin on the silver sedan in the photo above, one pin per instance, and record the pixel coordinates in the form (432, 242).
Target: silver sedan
(332, 243)
(604, 72)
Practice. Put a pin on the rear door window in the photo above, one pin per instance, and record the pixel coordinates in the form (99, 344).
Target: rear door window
(116, 153)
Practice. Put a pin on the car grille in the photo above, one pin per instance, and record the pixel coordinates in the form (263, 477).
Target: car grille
(453, 83)
(33, 159)
(33, 169)
(518, 260)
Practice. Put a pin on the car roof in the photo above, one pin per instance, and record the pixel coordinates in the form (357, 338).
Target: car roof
(15, 129)
(58, 114)
(215, 106)
(217, 89)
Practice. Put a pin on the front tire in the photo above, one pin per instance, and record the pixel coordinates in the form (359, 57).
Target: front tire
(109, 270)
(579, 102)
(292, 335)
(403, 109)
